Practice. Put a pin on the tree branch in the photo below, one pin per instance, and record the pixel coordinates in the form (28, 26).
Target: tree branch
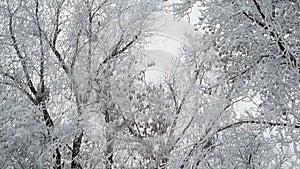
(117, 49)
(20, 87)
(259, 9)
(236, 124)
(116, 52)
(56, 28)
(286, 54)
(19, 54)
(77, 50)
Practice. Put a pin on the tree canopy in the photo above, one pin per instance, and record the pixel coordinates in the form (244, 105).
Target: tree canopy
(73, 93)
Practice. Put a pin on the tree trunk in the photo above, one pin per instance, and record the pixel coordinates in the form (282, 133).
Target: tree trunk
(109, 143)
(57, 160)
(109, 153)
(75, 151)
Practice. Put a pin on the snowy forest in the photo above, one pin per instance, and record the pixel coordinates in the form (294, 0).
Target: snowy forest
(73, 93)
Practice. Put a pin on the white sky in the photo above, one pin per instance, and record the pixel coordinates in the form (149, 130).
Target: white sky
(165, 45)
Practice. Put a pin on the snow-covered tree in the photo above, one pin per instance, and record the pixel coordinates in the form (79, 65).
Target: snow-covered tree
(73, 93)
(64, 67)
(257, 60)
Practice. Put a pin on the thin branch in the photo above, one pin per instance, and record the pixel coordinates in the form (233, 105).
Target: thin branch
(259, 9)
(19, 54)
(236, 124)
(184, 130)
(56, 28)
(77, 50)
(19, 87)
(173, 95)
(118, 51)
(98, 8)
(249, 68)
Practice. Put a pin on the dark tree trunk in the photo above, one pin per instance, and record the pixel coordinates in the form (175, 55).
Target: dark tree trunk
(57, 159)
(109, 143)
(75, 151)
(47, 118)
